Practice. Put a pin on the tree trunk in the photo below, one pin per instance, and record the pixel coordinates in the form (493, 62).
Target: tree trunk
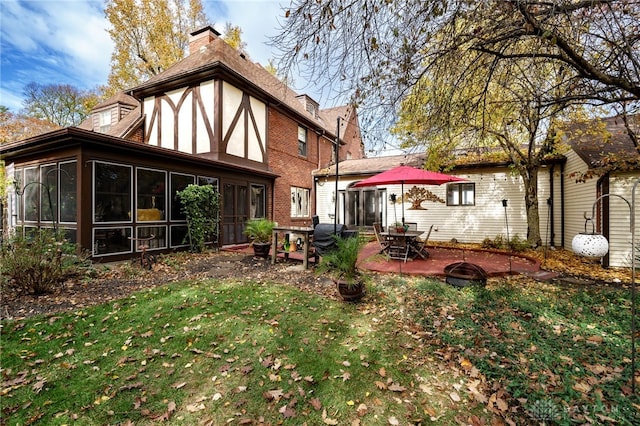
(530, 180)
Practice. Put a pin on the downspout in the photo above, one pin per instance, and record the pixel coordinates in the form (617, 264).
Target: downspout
(562, 212)
(604, 216)
(550, 207)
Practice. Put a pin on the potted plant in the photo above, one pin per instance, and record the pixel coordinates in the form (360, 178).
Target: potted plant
(341, 264)
(260, 232)
(400, 227)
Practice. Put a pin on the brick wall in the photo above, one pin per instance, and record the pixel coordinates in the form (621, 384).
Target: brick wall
(294, 170)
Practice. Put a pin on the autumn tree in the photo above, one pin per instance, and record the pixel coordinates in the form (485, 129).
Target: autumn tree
(15, 127)
(233, 36)
(376, 50)
(528, 62)
(61, 104)
(149, 36)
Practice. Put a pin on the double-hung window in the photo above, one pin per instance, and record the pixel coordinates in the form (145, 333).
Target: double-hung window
(302, 141)
(299, 202)
(461, 194)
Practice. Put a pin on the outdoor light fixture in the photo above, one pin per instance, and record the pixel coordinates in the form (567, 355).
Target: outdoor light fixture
(590, 244)
(597, 244)
(506, 222)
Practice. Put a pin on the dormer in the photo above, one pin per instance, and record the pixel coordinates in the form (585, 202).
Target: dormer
(311, 106)
(110, 112)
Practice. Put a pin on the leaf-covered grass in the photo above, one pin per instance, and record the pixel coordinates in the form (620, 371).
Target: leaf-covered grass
(243, 352)
(559, 354)
(218, 352)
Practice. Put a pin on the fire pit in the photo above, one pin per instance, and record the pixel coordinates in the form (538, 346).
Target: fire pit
(463, 274)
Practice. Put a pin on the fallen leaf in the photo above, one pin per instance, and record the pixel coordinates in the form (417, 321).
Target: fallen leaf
(192, 408)
(454, 396)
(380, 385)
(315, 403)
(582, 387)
(327, 420)
(393, 421)
(397, 388)
(362, 410)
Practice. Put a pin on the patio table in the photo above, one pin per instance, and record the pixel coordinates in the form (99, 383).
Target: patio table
(399, 240)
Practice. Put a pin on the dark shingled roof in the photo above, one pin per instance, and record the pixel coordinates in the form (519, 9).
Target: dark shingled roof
(218, 54)
(373, 165)
(594, 140)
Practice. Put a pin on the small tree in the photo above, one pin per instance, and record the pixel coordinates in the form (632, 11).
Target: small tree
(201, 204)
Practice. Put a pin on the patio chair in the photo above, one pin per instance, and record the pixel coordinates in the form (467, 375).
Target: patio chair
(399, 250)
(384, 244)
(411, 226)
(420, 246)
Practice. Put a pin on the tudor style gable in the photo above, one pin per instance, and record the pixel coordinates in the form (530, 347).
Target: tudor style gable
(208, 113)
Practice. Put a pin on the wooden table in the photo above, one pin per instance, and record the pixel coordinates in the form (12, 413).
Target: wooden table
(401, 239)
(306, 232)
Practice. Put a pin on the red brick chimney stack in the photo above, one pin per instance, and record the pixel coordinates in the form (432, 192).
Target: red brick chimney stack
(201, 38)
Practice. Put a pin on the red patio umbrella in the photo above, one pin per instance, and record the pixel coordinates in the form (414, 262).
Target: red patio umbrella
(407, 174)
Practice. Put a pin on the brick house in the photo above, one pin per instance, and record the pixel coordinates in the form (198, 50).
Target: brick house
(213, 118)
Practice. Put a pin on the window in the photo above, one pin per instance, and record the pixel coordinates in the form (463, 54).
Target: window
(461, 194)
(105, 121)
(302, 141)
(112, 192)
(68, 191)
(299, 202)
(258, 201)
(151, 195)
(205, 180)
(30, 194)
(46, 193)
(178, 183)
(112, 241)
(49, 193)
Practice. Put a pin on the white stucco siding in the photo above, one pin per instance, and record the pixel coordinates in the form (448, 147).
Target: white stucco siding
(167, 128)
(579, 197)
(257, 134)
(231, 101)
(207, 97)
(151, 120)
(619, 220)
(185, 121)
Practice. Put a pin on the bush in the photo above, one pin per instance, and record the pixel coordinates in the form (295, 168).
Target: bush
(37, 263)
(500, 242)
(201, 204)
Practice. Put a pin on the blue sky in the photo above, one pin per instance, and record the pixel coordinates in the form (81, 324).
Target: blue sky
(66, 42)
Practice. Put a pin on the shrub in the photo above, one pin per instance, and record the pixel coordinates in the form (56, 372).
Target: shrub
(500, 242)
(37, 263)
(201, 204)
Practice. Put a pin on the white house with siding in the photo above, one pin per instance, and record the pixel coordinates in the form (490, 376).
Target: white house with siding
(473, 210)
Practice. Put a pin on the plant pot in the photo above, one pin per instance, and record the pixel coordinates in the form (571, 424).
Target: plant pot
(261, 249)
(400, 229)
(350, 292)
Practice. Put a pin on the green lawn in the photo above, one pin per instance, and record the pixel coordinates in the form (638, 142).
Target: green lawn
(415, 351)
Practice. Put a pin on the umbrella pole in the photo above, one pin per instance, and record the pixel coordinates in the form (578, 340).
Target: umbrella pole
(402, 199)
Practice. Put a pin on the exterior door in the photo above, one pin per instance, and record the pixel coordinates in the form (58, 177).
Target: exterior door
(365, 206)
(235, 205)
